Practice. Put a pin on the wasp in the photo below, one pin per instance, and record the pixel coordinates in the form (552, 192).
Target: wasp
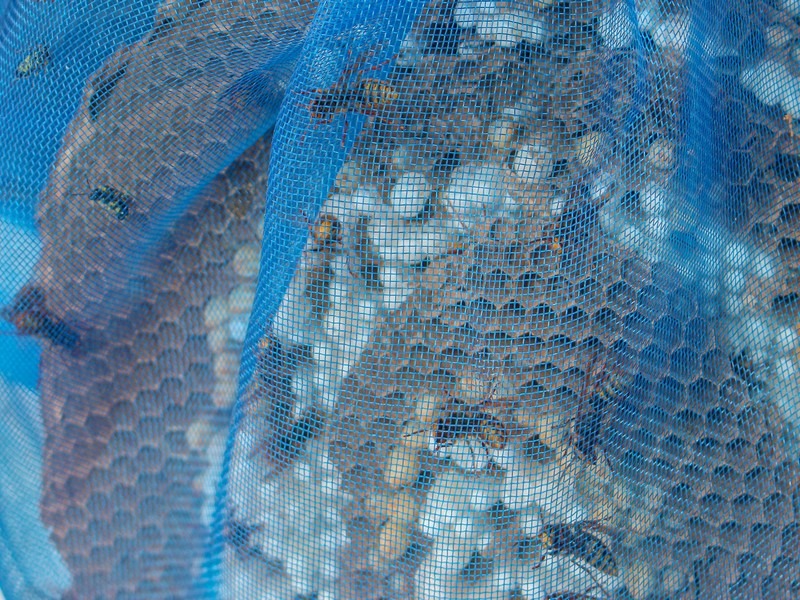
(326, 233)
(585, 434)
(352, 94)
(574, 540)
(462, 421)
(238, 534)
(37, 60)
(287, 442)
(364, 96)
(288, 437)
(114, 200)
(288, 446)
(30, 315)
(746, 370)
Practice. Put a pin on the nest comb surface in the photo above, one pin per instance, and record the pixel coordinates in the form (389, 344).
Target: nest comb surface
(128, 409)
(702, 486)
(150, 368)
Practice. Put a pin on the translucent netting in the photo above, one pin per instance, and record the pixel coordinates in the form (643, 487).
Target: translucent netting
(431, 300)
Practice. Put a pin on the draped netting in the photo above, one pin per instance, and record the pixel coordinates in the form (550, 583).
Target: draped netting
(452, 299)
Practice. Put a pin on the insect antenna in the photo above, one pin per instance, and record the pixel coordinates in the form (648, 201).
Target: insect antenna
(414, 432)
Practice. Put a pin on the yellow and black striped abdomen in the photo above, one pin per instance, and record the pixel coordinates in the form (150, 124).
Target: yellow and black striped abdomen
(573, 540)
(115, 201)
(597, 554)
(376, 93)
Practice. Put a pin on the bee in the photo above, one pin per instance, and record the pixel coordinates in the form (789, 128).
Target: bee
(114, 200)
(575, 541)
(30, 315)
(37, 60)
(464, 421)
(351, 94)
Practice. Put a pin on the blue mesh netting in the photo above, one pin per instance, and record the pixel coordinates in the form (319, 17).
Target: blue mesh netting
(434, 300)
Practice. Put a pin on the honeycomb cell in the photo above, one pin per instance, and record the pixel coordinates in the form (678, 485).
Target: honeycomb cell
(682, 305)
(719, 571)
(621, 297)
(667, 333)
(790, 541)
(684, 365)
(742, 454)
(778, 509)
(652, 302)
(637, 330)
(697, 335)
(782, 582)
(748, 511)
(765, 539)
(716, 365)
(658, 420)
(715, 509)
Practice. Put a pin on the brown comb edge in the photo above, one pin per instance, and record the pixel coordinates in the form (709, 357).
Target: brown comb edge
(122, 470)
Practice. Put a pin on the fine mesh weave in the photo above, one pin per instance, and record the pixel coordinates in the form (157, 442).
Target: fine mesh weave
(523, 323)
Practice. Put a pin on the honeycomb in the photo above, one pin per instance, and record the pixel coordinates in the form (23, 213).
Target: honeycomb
(130, 409)
(123, 410)
(693, 474)
(760, 169)
(542, 320)
(702, 488)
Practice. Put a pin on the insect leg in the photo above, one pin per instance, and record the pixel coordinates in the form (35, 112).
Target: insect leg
(344, 129)
(591, 575)
(357, 65)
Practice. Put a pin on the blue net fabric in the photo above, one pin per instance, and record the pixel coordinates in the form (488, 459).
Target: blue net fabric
(437, 300)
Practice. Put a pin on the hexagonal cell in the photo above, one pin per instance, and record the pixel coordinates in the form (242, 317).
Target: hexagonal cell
(759, 482)
(698, 335)
(653, 362)
(684, 365)
(637, 330)
(715, 509)
(669, 395)
(621, 297)
(742, 455)
(682, 304)
(667, 333)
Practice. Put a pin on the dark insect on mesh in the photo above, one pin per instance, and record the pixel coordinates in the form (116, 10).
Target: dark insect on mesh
(437, 300)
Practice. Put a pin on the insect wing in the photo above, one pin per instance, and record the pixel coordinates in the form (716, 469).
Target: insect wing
(595, 552)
